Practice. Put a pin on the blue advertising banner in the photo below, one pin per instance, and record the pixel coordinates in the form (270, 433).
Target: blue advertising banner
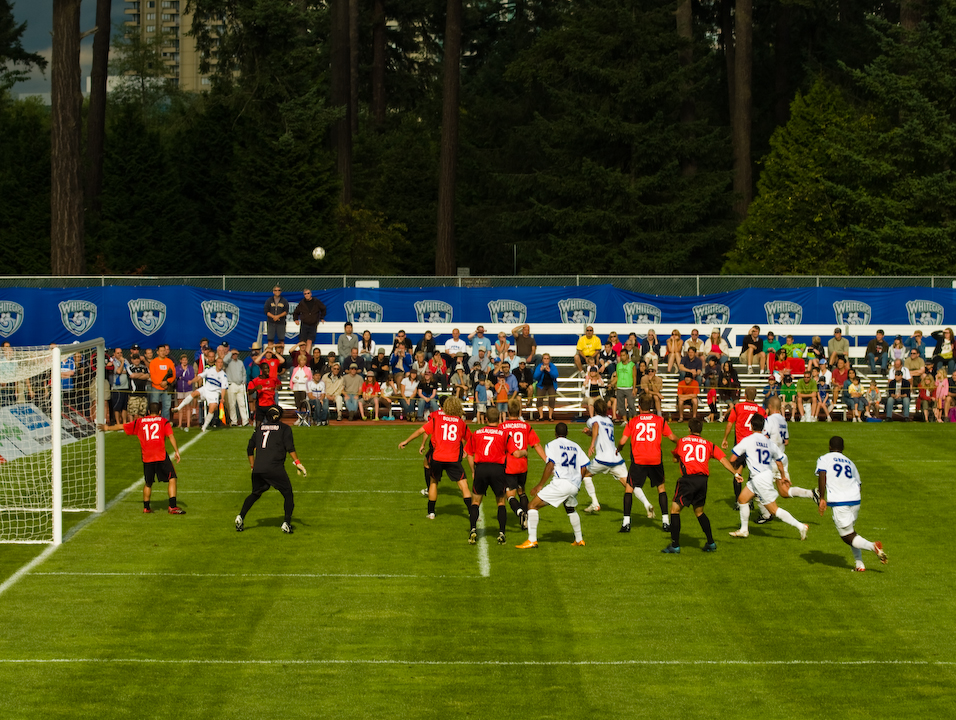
(181, 315)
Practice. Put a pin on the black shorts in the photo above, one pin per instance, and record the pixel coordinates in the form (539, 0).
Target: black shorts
(637, 474)
(261, 412)
(489, 475)
(277, 479)
(120, 399)
(307, 332)
(453, 470)
(691, 491)
(516, 481)
(159, 470)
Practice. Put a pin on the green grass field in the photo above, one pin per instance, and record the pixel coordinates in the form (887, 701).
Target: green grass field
(372, 611)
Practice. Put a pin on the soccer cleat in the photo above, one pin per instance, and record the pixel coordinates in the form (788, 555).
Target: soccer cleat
(430, 516)
(287, 528)
(671, 550)
(239, 526)
(816, 495)
(424, 492)
(473, 537)
(523, 521)
(859, 568)
(650, 511)
(736, 507)
(878, 549)
(592, 509)
(739, 534)
(803, 531)
(763, 519)
(176, 511)
(625, 529)
(710, 547)
(527, 545)
(666, 527)
(578, 543)
(147, 510)
(501, 538)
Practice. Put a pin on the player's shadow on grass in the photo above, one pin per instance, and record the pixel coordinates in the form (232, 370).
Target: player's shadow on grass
(276, 522)
(818, 557)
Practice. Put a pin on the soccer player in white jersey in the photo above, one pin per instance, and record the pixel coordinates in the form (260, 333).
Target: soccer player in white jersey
(839, 487)
(762, 455)
(775, 428)
(214, 383)
(607, 458)
(566, 465)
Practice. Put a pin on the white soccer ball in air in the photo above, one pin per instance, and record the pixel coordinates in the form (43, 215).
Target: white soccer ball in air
(318, 253)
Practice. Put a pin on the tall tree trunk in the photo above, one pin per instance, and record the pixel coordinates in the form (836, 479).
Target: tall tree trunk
(782, 63)
(743, 106)
(353, 65)
(911, 12)
(96, 116)
(685, 30)
(445, 241)
(66, 192)
(340, 91)
(378, 62)
(727, 40)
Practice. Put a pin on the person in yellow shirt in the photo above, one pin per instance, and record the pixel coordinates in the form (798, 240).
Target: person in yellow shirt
(589, 345)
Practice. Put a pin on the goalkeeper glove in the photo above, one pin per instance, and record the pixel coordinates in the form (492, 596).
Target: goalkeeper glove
(300, 468)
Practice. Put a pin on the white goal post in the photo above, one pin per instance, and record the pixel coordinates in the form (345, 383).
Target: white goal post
(52, 400)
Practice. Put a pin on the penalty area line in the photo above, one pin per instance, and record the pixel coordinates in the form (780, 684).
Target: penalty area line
(484, 663)
(39, 559)
(347, 576)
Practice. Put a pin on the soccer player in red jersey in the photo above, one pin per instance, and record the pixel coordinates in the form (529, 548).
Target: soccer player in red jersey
(645, 432)
(152, 431)
(522, 437)
(265, 388)
(694, 453)
(448, 433)
(739, 419)
(487, 449)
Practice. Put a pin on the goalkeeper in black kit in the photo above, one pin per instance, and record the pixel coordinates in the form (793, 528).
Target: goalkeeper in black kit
(267, 450)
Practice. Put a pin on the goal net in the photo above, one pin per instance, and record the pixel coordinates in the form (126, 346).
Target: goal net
(51, 455)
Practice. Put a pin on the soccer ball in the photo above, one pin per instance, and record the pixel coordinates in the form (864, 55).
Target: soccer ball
(318, 253)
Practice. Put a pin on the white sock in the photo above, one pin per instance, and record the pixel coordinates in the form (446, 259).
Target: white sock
(626, 520)
(800, 492)
(642, 498)
(858, 557)
(185, 402)
(744, 516)
(589, 486)
(764, 512)
(208, 420)
(533, 525)
(862, 543)
(575, 520)
(788, 518)
(665, 519)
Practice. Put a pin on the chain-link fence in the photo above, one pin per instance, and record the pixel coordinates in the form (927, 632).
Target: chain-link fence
(670, 285)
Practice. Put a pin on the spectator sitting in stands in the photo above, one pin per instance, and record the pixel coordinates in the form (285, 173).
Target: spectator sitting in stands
(482, 359)
(426, 345)
(388, 398)
(427, 396)
(751, 351)
(653, 388)
(318, 401)
(788, 394)
(589, 345)
(807, 397)
(898, 393)
(728, 384)
(675, 350)
(651, 349)
(815, 354)
(352, 391)
(825, 396)
(420, 364)
(838, 378)
(409, 395)
(711, 373)
(436, 366)
(898, 351)
(694, 341)
(717, 346)
(593, 389)
(916, 341)
(371, 391)
(687, 391)
(771, 389)
(898, 365)
(877, 351)
(367, 347)
(402, 339)
(501, 347)
(943, 354)
(873, 400)
(334, 384)
(927, 389)
(460, 383)
(347, 340)
(358, 361)
(771, 344)
(401, 364)
(380, 366)
(915, 365)
(691, 365)
(853, 396)
(456, 350)
(479, 381)
(837, 347)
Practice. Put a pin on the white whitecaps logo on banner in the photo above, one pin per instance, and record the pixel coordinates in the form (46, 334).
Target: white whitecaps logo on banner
(433, 311)
(924, 312)
(577, 311)
(221, 317)
(147, 315)
(509, 312)
(77, 316)
(11, 317)
(638, 313)
(363, 311)
(852, 312)
(783, 312)
(712, 314)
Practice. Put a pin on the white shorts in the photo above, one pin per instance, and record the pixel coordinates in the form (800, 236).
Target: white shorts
(844, 517)
(618, 470)
(208, 396)
(762, 486)
(560, 492)
(786, 467)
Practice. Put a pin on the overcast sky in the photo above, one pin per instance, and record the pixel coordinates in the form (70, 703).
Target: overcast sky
(38, 15)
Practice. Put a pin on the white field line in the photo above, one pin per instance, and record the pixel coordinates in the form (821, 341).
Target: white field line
(376, 576)
(484, 564)
(488, 663)
(353, 491)
(13, 579)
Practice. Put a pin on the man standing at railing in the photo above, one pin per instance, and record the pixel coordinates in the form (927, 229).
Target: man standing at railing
(276, 309)
(310, 312)
(546, 377)
(525, 344)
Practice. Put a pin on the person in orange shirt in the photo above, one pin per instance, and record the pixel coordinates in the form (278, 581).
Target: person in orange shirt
(687, 392)
(501, 396)
(162, 376)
